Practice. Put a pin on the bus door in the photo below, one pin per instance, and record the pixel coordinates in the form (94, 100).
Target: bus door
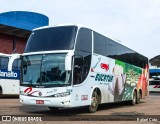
(81, 86)
(16, 76)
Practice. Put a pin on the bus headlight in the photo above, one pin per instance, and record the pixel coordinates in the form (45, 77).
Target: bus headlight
(62, 94)
(23, 93)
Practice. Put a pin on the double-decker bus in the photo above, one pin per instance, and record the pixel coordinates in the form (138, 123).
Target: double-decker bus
(9, 81)
(154, 80)
(71, 66)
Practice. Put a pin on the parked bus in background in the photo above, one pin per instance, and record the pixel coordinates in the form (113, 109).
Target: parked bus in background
(154, 80)
(71, 66)
(9, 81)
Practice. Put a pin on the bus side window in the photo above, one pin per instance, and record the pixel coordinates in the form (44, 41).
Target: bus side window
(82, 62)
(78, 69)
(16, 64)
(111, 49)
(82, 58)
(4, 62)
(84, 40)
(99, 44)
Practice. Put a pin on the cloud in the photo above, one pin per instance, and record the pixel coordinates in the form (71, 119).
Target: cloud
(134, 22)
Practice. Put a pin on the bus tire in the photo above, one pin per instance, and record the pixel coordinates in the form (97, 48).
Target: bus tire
(94, 102)
(134, 98)
(138, 98)
(53, 108)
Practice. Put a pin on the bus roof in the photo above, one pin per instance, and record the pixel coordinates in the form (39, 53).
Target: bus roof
(8, 55)
(3, 54)
(61, 25)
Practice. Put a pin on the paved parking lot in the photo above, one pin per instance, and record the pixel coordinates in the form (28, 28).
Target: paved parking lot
(149, 106)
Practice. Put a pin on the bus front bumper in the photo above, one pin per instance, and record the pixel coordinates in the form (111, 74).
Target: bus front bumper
(46, 101)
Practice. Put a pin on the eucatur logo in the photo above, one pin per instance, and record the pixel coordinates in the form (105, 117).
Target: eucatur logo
(105, 66)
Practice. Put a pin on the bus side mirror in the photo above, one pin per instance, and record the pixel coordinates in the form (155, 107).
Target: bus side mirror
(68, 60)
(11, 60)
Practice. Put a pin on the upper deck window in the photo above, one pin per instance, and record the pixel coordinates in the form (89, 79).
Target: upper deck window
(84, 40)
(54, 38)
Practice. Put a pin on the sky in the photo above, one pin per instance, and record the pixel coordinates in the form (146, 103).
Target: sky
(135, 23)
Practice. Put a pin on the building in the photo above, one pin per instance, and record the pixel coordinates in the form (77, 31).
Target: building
(15, 28)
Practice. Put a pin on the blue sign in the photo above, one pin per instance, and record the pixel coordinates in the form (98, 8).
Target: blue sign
(5, 74)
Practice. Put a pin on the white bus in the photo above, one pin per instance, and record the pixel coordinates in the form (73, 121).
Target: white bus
(71, 66)
(9, 81)
(154, 80)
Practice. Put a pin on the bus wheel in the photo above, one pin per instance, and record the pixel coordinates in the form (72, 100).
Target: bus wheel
(94, 102)
(53, 108)
(133, 101)
(138, 98)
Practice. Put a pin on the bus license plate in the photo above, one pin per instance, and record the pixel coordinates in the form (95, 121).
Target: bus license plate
(39, 101)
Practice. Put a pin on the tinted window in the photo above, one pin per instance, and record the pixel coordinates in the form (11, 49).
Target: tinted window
(110, 49)
(4, 62)
(55, 38)
(129, 56)
(123, 53)
(47, 70)
(84, 40)
(16, 64)
(138, 60)
(82, 62)
(99, 44)
(154, 82)
(154, 75)
(107, 47)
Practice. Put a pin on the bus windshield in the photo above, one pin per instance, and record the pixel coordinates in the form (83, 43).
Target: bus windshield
(154, 75)
(47, 70)
(154, 82)
(54, 38)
